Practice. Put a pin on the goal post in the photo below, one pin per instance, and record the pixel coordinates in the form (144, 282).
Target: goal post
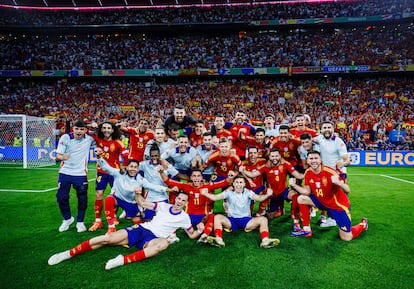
(27, 141)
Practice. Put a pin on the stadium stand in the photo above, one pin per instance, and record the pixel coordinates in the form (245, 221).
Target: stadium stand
(365, 106)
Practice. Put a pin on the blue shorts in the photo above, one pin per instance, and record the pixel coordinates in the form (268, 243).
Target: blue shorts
(276, 200)
(342, 217)
(259, 190)
(215, 178)
(196, 219)
(131, 209)
(138, 236)
(102, 180)
(207, 177)
(149, 214)
(239, 223)
(343, 177)
(184, 172)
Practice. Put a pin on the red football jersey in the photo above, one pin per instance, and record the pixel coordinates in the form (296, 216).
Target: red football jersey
(258, 181)
(330, 195)
(222, 165)
(288, 150)
(112, 150)
(195, 140)
(239, 144)
(198, 204)
(137, 143)
(297, 133)
(225, 133)
(261, 148)
(276, 176)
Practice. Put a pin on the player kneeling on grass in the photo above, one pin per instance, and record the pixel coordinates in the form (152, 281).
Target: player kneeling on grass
(324, 190)
(150, 238)
(123, 192)
(238, 201)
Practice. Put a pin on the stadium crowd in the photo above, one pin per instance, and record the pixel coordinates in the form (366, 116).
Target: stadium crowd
(352, 46)
(208, 14)
(365, 110)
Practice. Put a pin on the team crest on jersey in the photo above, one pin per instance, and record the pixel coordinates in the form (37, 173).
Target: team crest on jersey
(318, 185)
(324, 181)
(276, 172)
(197, 195)
(140, 139)
(226, 163)
(105, 149)
(286, 149)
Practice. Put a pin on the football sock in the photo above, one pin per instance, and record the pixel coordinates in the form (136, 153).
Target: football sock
(264, 234)
(110, 209)
(218, 233)
(294, 207)
(208, 227)
(307, 228)
(81, 248)
(357, 230)
(134, 257)
(304, 212)
(98, 208)
(263, 206)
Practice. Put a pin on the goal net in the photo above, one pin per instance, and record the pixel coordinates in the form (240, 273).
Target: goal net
(27, 141)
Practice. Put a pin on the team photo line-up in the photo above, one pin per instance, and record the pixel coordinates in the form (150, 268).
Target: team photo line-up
(170, 177)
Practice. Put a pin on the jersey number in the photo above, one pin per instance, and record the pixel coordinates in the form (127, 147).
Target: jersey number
(319, 193)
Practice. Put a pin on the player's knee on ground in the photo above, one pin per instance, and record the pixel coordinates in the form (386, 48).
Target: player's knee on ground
(345, 236)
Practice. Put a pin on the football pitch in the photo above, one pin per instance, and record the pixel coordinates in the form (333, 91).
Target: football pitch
(382, 257)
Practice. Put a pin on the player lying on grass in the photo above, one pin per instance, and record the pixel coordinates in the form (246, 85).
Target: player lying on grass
(324, 190)
(150, 238)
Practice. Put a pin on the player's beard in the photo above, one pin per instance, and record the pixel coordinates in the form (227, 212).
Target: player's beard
(327, 134)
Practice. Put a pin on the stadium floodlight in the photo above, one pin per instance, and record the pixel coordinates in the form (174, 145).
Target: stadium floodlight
(27, 141)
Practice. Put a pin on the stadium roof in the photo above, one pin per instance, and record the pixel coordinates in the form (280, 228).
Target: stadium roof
(103, 4)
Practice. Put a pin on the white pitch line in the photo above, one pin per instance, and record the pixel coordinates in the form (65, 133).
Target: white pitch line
(376, 175)
(397, 179)
(34, 191)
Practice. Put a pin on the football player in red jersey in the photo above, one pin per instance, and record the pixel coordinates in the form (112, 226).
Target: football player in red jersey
(223, 160)
(195, 134)
(252, 164)
(326, 191)
(199, 207)
(301, 127)
(276, 176)
(219, 130)
(108, 138)
(138, 139)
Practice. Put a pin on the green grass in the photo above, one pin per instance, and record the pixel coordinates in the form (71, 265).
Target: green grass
(382, 257)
